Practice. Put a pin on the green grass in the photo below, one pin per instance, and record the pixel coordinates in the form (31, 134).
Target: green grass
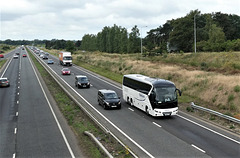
(101, 71)
(79, 121)
(2, 62)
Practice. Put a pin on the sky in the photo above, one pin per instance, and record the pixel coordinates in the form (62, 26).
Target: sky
(72, 19)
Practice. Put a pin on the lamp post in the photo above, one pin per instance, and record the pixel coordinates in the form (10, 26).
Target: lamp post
(195, 38)
(141, 38)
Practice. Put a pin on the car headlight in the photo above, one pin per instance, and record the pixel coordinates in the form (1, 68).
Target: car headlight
(119, 103)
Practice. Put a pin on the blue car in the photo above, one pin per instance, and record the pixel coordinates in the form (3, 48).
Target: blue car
(50, 61)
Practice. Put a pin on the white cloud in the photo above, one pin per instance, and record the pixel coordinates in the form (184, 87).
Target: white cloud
(71, 19)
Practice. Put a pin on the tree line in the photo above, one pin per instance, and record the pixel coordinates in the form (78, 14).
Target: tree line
(214, 32)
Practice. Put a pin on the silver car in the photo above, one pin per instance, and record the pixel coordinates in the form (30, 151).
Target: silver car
(4, 82)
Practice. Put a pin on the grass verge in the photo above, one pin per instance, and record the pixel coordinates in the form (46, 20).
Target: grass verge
(2, 62)
(80, 122)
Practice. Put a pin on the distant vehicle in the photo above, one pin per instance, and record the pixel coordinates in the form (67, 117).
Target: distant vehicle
(157, 97)
(65, 58)
(17, 53)
(82, 81)
(66, 71)
(4, 82)
(24, 55)
(50, 61)
(41, 55)
(1, 56)
(108, 99)
(15, 56)
(45, 57)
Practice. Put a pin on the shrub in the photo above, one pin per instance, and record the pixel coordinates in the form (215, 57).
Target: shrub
(237, 88)
(231, 97)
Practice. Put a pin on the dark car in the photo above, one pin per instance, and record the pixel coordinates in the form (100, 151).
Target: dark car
(108, 99)
(66, 71)
(50, 61)
(45, 56)
(82, 81)
(4, 82)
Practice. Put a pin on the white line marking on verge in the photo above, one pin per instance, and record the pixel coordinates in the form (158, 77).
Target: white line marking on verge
(144, 150)
(198, 148)
(6, 68)
(50, 106)
(98, 78)
(157, 124)
(210, 129)
(131, 109)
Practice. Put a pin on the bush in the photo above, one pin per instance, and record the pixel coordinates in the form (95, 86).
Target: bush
(237, 88)
(231, 97)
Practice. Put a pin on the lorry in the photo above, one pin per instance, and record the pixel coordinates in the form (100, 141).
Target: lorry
(65, 58)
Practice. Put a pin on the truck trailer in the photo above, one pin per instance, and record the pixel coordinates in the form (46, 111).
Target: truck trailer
(65, 58)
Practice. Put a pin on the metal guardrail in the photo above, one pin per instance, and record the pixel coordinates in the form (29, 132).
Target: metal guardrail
(215, 113)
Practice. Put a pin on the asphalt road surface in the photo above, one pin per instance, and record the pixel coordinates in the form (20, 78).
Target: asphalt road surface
(176, 136)
(30, 123)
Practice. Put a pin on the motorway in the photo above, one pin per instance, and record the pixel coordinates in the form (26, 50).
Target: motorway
(176, 136)
(29, 127)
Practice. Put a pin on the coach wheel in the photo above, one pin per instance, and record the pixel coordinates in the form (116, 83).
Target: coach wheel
(131, 102)
(146, 110)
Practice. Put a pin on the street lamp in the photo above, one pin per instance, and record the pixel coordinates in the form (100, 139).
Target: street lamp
(141, 38)
(195, 38)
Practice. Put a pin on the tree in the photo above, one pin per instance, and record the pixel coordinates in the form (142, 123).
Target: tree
(134, 40)
(70, 46)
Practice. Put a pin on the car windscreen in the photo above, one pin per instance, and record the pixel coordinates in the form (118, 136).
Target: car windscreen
(111, 96)
(83, 79)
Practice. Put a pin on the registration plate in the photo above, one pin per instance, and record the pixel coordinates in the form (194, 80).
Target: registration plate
(167, 113)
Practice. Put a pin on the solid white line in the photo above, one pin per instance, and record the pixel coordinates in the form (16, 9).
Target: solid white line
(6, 68)
(14, 155)
(98, 78)
(157, 124)
(116, 127)
(198, 148)
(50, 106)
(15, 131)
(16, 113)
(130, 109)
(210, 129)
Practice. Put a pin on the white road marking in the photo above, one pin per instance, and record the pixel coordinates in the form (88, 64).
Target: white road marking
(209, 129)
(54, 115)
(198, 148)
(130, 109)
(16, 113)
(14, 155)
(157, 124)
(6, 68)
(17, 102)
(128, 137)
(15, 131)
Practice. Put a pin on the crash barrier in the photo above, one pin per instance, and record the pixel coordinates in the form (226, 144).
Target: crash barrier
(215, 113)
